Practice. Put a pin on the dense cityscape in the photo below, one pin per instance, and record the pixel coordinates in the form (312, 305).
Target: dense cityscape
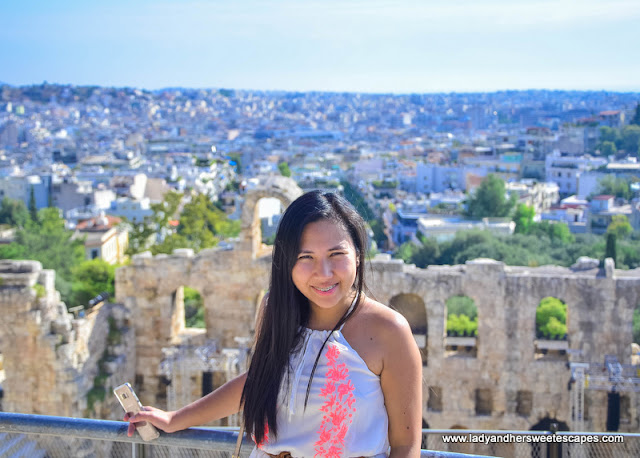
(133, 170)
(413, 159)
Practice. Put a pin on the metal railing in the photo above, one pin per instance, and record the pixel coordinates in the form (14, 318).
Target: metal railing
(40, 436)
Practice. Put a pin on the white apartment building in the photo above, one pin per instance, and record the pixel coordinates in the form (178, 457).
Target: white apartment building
(540, 196)
(443, 229)
(135, 211)
(436, 178)
(566, 170)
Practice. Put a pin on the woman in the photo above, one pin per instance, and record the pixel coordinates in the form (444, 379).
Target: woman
(334, 373)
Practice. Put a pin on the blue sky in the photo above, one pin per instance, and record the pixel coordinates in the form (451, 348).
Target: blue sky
(349, 45)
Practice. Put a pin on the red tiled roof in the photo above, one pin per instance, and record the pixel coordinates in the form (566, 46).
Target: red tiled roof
(98, 223)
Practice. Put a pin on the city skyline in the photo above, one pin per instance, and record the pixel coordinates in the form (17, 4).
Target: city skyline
(349, 46)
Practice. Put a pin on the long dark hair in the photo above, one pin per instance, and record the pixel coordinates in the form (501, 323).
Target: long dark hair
(287, 309)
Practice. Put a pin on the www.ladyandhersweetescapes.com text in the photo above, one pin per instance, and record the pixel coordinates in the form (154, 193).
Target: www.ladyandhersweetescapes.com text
(510, 438)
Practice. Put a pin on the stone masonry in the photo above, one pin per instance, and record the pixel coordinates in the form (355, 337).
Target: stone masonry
(500, 379)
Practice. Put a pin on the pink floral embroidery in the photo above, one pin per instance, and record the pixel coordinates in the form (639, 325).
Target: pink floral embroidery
(328, 389)
(265, 441)
(339, 407)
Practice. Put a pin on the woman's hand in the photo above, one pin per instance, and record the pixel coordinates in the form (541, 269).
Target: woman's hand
(220, 403)
(158, 418)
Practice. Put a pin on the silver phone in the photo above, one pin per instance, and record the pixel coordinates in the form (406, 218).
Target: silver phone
(131, 404)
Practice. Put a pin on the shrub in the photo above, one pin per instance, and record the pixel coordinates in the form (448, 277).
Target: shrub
(551, 317)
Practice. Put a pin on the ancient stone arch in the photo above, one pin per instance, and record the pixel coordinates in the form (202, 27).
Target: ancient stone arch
(284, 189)
(229, 281)
(413, 308)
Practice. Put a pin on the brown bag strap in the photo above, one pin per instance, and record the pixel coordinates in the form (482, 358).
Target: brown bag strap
(236, 453)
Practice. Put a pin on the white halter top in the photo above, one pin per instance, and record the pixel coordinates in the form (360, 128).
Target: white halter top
(345, 414)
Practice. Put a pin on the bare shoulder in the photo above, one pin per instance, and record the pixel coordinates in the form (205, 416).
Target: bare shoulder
(385, 318)
(383, 321)
(377, 332)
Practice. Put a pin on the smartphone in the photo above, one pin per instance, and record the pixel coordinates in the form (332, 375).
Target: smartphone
(131, 404)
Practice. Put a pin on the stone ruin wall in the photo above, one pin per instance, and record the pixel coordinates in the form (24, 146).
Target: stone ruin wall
(600, 310)
(505, 369)
(52, 359)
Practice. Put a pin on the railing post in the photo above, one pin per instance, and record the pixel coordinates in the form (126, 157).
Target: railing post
(138, 450)
(554, 447)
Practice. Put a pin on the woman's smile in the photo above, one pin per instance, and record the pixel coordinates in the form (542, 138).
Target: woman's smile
(325, 269)
(326, 290)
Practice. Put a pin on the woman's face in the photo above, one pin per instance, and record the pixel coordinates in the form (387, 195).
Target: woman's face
(325, 269)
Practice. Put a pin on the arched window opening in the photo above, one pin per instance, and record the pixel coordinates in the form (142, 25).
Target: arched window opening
(413, 308)
(424, 444)
(552, 340)
(636, 334)
(461, 327)
(269, 211)
(193, 309)
(543, 450)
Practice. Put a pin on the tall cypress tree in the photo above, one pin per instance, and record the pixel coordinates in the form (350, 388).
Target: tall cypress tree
(33, 211)
(636, 117)
(610, 249)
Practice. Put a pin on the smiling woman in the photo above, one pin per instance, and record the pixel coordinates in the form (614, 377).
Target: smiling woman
(326, 271)
(334, 373)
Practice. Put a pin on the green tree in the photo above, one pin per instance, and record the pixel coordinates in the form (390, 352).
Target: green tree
(523, 218)
(357, 200)
(46, 240)
(91, 278)
(619, 226)
(615, 186)
(630, 139)
(636, 325)
(490, 199)
(406, 251)
(551, 318)
(378, 232)
(607, 148)
(451, 250)
(554, 230)
(636, 119)
(13, 213)
(462, 305)
(426, 254)
(554, 328)
(142, 235)
(628, 252)
(33, 211)
(609, 134)
(461, 325)
(284, 169)
(193, 309)
(610, 250)
(202, 224)
(169, 243)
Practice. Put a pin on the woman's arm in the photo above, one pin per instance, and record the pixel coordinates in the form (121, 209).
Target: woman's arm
(220, 403)
(401, 381)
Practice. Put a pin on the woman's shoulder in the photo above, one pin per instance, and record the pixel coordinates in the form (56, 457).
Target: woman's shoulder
(383, 320)
(377, 332)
